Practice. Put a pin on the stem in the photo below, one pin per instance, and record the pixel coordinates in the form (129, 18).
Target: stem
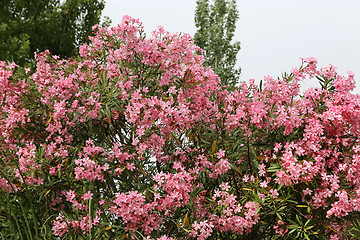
(9, 218)
(90, 218)
(248, 155)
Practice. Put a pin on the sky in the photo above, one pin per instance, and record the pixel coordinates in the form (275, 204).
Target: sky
(274, 34)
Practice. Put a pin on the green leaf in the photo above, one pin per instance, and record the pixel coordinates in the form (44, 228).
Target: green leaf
(235, 168)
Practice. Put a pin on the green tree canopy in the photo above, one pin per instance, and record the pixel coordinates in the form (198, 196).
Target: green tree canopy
(28, 26)
(216, 26)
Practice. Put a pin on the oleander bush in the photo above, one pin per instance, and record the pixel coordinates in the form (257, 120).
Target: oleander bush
(135, 139)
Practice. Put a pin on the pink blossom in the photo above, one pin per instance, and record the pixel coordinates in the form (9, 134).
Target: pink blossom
(87, 196)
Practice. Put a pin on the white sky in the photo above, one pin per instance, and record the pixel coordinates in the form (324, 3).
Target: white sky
(274, 34)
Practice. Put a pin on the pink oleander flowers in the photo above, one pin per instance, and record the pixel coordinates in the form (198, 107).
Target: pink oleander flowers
(135, 139)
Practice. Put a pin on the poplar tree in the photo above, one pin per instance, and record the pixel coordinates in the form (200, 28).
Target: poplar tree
(216, 23)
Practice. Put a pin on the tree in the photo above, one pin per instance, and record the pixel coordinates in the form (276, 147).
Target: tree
(135, 139)
(36, 25)
(216, 27)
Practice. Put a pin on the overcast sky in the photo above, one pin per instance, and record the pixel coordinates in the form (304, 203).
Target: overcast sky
(274, 34)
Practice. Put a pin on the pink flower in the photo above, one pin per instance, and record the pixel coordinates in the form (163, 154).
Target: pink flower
(87, 196)
(202, 230)
(261, 196)
(274, 193)
(307, 191)
(262, 170)
(246, 178)
(60, 227)
(263, 184)
(53, 171)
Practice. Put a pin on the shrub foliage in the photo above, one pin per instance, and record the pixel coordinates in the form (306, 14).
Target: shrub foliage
(135, 139)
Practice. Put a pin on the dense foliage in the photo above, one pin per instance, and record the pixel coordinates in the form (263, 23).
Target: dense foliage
(28, 26)
(135, 139)
(216, 23)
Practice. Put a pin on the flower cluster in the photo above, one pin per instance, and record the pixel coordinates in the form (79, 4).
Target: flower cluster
(136, 139)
